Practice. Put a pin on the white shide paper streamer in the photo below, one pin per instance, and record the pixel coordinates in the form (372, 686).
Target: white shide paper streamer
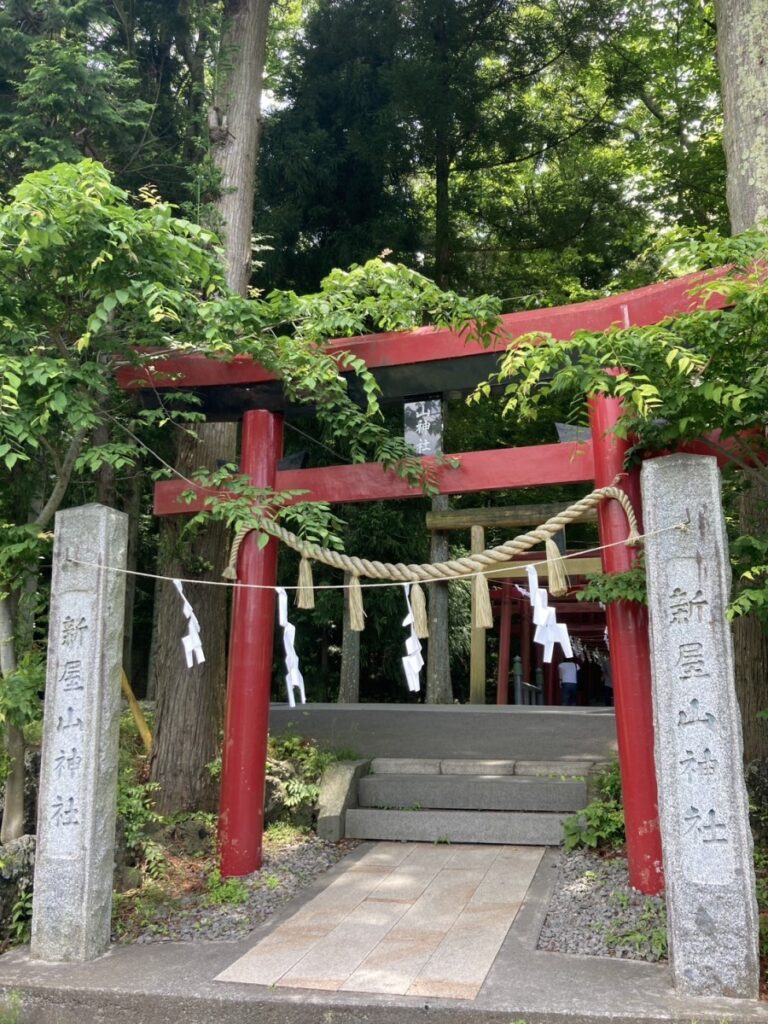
(548, 630)
(294, 680)
(191, 643)
(413, 662)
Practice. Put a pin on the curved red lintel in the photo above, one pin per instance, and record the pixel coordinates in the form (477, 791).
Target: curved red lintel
(638, 308)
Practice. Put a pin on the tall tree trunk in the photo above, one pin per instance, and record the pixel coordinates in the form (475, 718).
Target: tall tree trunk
(234, 122)
(13, 737)
(193, 47)
(188, 714)
(187, 729)
(106, 478)
(42, 511)
(442, 214)
(742, 49)
(750, 641)
(132, 508)
(443, 229)
(742, 53)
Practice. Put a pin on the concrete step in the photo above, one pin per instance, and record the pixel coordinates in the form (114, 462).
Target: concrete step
(514, 828)
(472, 792)
(467, 800)
(475, 766)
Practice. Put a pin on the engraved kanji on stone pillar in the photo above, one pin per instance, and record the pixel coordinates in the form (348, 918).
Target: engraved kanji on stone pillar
(706, 839)
(74, 865)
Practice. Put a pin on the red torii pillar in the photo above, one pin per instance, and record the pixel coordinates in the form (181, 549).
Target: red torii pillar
(630, 658)
(249, 672)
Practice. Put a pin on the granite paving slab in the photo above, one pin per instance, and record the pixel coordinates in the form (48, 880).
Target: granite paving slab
(405, 919)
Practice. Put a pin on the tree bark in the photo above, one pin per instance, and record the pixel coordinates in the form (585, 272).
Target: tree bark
(349, 682)
(13, 737)
(439, 688)
(42, 512)
(106, 478)
(443, 231)
(750, 641)
(189, 701)
(193, 47)
(234, 123)
(132, 508)
(742, 51)
(442, 214)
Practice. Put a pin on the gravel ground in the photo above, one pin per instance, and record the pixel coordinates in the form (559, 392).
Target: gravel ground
(194, 917)
(594, 911)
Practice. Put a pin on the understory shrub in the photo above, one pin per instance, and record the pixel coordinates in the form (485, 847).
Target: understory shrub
(600, 825)
(17, 865)
(136, 851)
(295, 765)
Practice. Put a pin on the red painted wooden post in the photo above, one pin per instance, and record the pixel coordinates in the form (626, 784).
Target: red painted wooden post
(525, 642)
(505, 642)
(628, 637)
(249, 676)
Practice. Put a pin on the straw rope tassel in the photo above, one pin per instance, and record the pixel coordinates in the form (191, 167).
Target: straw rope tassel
(305, 592)
(419, 609)
(480, 562)
(230, 572)
(558, 578)
(356, 610)
(483, 609)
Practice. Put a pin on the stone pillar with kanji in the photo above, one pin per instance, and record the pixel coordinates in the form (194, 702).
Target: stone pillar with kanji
(705, 834)
(74, 866)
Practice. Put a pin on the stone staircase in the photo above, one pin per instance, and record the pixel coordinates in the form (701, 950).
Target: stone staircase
(468, 801)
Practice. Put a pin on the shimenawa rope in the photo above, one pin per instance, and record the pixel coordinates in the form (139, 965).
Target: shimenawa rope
(415, 573)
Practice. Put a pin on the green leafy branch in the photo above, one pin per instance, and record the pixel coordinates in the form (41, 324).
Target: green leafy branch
(615, 586)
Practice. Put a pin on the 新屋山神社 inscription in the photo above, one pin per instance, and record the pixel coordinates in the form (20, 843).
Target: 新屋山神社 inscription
(684, 609)
(74, 631)
(691, 661)
(74, 665)
(68, 762)
(423, 423)
(706, 841)
(698, 763)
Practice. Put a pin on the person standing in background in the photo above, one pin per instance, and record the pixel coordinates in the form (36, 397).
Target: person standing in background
(568, 673)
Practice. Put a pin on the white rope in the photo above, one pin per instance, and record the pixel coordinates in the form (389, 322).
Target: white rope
(523, 566)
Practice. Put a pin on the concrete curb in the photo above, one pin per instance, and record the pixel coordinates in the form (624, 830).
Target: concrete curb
(338, 792)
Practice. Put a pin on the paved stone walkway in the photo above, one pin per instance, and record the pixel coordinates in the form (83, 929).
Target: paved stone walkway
(405, 919)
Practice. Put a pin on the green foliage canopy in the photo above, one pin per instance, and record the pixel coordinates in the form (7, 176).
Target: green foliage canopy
(90, 279)
(701, 375)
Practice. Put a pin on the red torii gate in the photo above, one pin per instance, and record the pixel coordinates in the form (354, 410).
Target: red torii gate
(433, 357)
